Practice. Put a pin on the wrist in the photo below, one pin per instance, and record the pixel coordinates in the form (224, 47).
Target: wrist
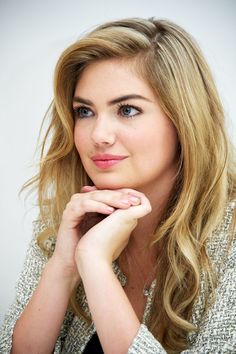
(90, 262)
(65, 275)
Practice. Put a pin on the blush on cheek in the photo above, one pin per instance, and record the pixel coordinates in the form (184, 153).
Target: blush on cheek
(79, 144)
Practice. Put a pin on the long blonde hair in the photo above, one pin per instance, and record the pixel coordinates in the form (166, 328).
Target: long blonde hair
(168, 59)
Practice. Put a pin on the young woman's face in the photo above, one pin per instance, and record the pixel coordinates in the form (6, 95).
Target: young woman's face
(122, 136)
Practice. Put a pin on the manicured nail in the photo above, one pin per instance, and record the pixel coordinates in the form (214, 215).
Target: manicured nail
(87, 188)
(125, 202)
(134, 199)
(110, 209)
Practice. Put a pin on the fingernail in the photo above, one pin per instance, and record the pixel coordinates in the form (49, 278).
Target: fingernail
(125, 202)
(87, 188)
(134, 200)
(110, 209)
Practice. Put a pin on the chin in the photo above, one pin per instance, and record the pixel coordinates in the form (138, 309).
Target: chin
(110, 186)
(113, 185)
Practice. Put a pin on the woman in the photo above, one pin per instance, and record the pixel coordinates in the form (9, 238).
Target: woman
(139, 185)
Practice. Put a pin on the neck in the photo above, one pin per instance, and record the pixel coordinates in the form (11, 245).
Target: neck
(138, 255)
(138, 250)
(147, 225)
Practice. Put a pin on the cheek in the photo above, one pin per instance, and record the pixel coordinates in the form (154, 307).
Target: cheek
(170, 141)
(79, 140)
(160, 141)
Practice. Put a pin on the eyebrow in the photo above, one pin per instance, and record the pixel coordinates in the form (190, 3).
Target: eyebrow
(111, 102)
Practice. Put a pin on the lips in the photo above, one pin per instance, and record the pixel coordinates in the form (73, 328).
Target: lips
(107, 160)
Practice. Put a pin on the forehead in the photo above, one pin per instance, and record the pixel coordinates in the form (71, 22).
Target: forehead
(112, 77)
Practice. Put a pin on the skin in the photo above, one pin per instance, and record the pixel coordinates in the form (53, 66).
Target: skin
(132, 194)
(140, 131)
(144, 135)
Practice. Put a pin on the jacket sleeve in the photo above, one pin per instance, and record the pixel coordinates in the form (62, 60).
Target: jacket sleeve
(217, 328)
(28, 280)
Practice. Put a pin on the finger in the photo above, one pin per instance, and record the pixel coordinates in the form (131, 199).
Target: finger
(133, 194)
(137, 211)
(85, 189)
(75, 209)
(116, 199)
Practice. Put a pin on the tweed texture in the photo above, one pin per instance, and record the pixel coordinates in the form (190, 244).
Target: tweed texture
(216, 327)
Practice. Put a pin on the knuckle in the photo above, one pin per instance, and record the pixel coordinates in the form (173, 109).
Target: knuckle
(84, 203)
(65, 213)
(95, 194)
(91, 194)
(75, 197)
(68, 207)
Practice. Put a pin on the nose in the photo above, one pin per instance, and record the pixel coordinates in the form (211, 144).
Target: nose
(103, 132)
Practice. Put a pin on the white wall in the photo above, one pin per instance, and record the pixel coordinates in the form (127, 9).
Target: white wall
(32, 36)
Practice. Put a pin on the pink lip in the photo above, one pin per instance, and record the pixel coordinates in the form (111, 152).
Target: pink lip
(107, 160)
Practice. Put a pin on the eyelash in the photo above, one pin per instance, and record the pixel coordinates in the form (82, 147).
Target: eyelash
(120, 106)
(126, 105)
(77, 110)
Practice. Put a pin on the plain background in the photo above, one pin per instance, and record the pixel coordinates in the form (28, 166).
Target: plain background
(32, 36)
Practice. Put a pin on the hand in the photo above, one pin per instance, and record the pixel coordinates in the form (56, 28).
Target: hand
(90, 200)
(107, 239)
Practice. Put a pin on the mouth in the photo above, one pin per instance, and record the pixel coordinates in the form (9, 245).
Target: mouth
(105, 161)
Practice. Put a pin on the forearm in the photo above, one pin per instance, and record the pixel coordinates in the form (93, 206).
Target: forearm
(38, 327)
(115, 320)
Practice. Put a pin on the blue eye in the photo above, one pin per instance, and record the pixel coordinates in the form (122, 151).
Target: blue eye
(82, 112)
(128, 111)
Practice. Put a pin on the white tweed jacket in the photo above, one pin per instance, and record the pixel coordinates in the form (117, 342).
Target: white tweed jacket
(217, 326)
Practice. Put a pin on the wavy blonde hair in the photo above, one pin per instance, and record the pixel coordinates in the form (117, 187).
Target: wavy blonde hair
(169, 60)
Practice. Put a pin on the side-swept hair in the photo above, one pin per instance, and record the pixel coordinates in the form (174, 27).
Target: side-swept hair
(169, 60)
